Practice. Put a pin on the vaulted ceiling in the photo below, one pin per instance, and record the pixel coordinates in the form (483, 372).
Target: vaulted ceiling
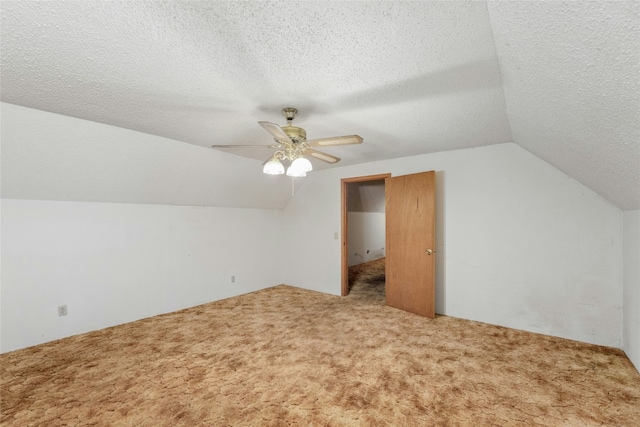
(562, 80)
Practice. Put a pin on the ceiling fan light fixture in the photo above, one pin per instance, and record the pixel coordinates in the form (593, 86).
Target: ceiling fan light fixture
(291, 143)
(273, 167)
(303, 164)
(295, 172)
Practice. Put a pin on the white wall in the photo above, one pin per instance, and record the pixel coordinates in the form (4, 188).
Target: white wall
(366, 236)
(631, 324)
(115, 263)
(519, 243)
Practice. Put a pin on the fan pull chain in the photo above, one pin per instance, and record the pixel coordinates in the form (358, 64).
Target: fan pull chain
(293, 187)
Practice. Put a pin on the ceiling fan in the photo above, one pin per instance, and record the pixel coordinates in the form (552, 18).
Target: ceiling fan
(292, 145)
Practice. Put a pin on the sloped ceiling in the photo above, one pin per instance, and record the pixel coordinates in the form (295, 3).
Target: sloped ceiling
(571, 74)
(367, 196)
(560, 79)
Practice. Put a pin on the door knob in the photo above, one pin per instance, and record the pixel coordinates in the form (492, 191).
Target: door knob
(430, 252)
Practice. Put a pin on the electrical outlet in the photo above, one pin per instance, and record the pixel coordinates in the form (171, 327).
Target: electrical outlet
(62, 310)
(233, 279)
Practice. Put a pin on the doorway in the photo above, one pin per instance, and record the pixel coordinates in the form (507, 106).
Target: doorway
(345, 185)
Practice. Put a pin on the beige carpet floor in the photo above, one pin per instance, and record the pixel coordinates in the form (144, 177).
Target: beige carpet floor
(285, 356)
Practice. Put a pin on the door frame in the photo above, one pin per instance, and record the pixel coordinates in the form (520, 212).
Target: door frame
(344, 207)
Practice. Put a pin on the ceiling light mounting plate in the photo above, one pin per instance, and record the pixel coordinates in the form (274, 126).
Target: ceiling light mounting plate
(289, 113)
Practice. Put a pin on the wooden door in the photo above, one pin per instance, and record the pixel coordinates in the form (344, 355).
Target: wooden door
(410, 242)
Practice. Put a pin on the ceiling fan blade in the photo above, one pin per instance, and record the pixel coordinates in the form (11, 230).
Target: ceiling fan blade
(336, 140)
(243, 146)
(322, 156)
(276, 131)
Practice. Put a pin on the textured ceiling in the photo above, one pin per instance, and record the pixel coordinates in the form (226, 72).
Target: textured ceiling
(571, 75)
(561, 80)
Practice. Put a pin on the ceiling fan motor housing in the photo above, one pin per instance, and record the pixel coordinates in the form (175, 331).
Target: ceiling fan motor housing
(295, 133)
